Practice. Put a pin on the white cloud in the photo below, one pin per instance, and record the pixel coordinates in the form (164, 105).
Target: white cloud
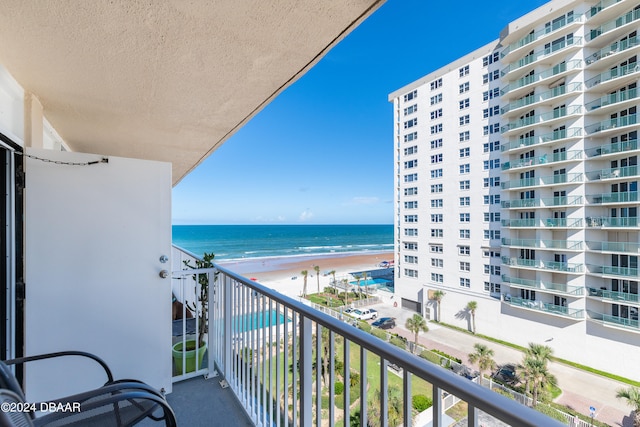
(306, 215)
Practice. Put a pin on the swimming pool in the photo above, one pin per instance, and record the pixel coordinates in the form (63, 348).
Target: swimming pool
(371, 282)
(252, 321)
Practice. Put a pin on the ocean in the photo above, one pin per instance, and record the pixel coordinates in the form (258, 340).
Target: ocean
(235, 242)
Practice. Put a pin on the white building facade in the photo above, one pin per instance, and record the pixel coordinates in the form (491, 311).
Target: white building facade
(517, 185)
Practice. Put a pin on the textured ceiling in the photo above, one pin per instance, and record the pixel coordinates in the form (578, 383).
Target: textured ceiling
(164, 80)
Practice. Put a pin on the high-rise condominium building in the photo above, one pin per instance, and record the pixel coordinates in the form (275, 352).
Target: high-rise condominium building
(517, 185)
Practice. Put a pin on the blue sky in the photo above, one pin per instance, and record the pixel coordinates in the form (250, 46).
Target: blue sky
(322, 152)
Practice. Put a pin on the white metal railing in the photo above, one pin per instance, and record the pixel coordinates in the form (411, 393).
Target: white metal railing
(280, 357)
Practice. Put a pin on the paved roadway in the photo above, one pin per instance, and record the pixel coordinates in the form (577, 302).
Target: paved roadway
(580, 389)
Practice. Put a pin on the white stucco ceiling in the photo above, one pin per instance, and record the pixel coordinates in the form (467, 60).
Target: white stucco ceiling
(164, 80)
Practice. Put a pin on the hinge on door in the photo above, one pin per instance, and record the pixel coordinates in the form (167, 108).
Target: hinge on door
(20, 178)
(20, 290)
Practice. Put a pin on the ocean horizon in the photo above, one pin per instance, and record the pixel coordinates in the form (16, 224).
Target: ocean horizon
(241, 242)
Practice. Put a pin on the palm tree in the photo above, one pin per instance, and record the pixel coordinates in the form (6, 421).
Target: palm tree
(538, 375)
(632, 397)
(437, 296)
(345, 282)
(484, 357)
(539, 351)
(416, 324)
(333, 274)
(317, 270)
(304, 287)
(472, 306)
(358, 278)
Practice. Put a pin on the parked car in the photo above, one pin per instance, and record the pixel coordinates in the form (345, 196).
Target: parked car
(507, 373)
(364, 314)
(385, 323)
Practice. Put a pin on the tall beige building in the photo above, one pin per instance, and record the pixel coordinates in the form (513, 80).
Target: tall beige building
(517, 185)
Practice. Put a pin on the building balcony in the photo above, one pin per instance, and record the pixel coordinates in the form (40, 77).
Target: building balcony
(548, 118)
(612, 173)
(569, 245)
(539, 285)
(563, 135)
(611, 222)
(282, 386)
(548, 53)
(613, 99)
(614, 321)
(609, 198)
(565, 178)
(545, 307)
(608, 270)
(612, 124)
(556, 266)
(613, 296)
(513, 88)
(542, 203)
(605, 56)
(539, 35)
(615, 75)
(552, 96)
(601, 9)
(613, 24)
(565, 156)
(632, 248)
(611, 149)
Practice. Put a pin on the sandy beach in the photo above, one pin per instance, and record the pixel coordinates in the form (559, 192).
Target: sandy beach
(283, 273)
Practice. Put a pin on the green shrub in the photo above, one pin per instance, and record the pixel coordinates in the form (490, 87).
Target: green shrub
(504, 393)
(420, 402)
(448, 356)
(398, 342)
(364, 326)
(379, 333)
(338, 387)
(550, 412)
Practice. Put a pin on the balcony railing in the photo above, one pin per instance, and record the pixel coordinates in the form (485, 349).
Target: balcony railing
(616, 147)
(628, 120)
(542, 118)
(628, 247)
(563, 222)
(530, 38)
(547, 95)
(566, 43)
(614, 73)
(553, 71)
(603, 221)
(571, 245)
(613, 98)
(613, 270)
(609, 320)
(542, 139)
(543, 286)
(614, 295)
(544, 159)
(541, 264)
(601, 199)
(625, 19)
(546, 307)
(269, 349)
(603, 4)
(612, 49)
(544, 202)
(621, 172)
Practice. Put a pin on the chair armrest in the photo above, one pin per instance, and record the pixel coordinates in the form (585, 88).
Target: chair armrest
(22, 360)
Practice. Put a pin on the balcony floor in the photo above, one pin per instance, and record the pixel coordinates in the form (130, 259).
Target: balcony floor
(199, 402)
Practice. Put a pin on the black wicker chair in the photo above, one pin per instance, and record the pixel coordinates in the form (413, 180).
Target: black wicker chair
(115, 403)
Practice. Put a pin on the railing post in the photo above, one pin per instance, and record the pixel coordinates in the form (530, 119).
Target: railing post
(306, 380)
(406, 397)
(436, 408)
(227, 292)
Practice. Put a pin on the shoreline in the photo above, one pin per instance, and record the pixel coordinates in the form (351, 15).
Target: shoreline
(283, 273)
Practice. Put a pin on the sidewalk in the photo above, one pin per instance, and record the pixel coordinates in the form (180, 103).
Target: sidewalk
(580, 389)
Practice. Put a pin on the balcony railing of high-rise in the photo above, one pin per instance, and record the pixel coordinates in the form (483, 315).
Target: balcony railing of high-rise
(283, 360)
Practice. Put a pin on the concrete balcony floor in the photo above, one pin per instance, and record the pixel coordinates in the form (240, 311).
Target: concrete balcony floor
(199, 402)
